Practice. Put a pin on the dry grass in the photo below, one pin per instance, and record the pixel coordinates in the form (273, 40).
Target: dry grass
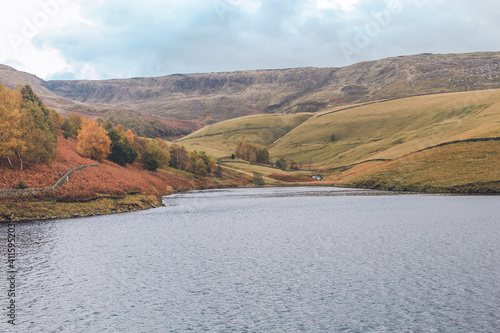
(221, 139)
(469, 167)
(15, 210)
(43, 175)
(388, 130)
(292, 178)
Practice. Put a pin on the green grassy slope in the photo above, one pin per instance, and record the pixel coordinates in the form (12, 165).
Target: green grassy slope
(221, 139)
(388, 130)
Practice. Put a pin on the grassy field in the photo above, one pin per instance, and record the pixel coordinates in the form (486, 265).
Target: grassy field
(388, 130)
(468, 167)
(380, 130)
(221, 139)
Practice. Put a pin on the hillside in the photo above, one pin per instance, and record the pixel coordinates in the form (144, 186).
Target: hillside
(388, 130)
(464, 167)
(12, 78)
(386, 144)
(222, 138)
(201, 99)
(102, 189)
(214, 97)
(381, 130)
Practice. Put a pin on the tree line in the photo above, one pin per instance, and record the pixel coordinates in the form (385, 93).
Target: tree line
(28, 132)
(257, 154)
(252, 153)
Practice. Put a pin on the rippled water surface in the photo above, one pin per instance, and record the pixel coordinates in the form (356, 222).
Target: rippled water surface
(264, 260)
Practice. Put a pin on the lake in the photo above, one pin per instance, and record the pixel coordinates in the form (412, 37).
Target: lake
(305, 259)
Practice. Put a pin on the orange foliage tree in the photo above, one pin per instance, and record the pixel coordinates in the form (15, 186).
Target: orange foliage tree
(10, 103)
(252, 153)
(93, 141)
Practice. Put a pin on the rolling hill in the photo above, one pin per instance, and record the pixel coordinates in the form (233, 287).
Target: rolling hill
(12, 78)
(195, 100)
(375, 131)
(391, 129)
(461, 167)
(361, 125)
(222, 138)
(436, 143)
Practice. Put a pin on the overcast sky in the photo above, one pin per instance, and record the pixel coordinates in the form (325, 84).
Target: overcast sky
(98, 39)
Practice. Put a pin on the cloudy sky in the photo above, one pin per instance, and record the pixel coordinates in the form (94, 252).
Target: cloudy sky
(97, 39)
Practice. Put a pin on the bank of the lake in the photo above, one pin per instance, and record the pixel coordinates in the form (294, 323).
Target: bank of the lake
(39, 209)
(31, 209)
(75, 200)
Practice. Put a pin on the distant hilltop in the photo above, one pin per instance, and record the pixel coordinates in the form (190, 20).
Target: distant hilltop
(194, 100)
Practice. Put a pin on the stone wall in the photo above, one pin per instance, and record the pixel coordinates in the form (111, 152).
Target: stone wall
(12, 193)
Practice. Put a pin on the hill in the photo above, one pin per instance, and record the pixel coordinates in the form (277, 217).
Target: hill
(462, 167)
(142, 124)
(222, 138)
(391, 129)
(385, 144)
(380, 130)
(194, 100)
(101, 189)
(214, 97)
(12, 78)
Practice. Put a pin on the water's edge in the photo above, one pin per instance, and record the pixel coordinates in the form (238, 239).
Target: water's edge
(140, 202)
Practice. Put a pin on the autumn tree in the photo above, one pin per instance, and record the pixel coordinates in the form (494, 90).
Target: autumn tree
(75, 121)
(122, 151)
(194, 163)
(155, 154)
(37, 134)
(178, 157)
(263, 156)
(10, 133)
(134, 140)
(281, 164)
(210, 164)
(67, 129)
(149, 162)
(56, 120)
(93, 141)
(200, 164)
(252, 153)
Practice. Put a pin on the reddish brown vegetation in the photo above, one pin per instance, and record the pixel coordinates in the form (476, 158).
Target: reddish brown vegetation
(106, 179)
(44, 174)
(110, 179)
(292, 179)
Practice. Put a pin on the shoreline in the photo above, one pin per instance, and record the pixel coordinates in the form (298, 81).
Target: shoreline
(46, 210)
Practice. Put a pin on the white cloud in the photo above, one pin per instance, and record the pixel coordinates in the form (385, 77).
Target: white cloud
(345, 5)
(22, 22)
(42, 62)
(123, 38)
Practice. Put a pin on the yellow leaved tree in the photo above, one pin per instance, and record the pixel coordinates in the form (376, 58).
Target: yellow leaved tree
(93, 141)
(10, 133)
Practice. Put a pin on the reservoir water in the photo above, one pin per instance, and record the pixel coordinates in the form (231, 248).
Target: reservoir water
(305, 259)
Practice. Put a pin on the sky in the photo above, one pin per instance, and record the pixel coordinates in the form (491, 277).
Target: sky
(104, 39)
